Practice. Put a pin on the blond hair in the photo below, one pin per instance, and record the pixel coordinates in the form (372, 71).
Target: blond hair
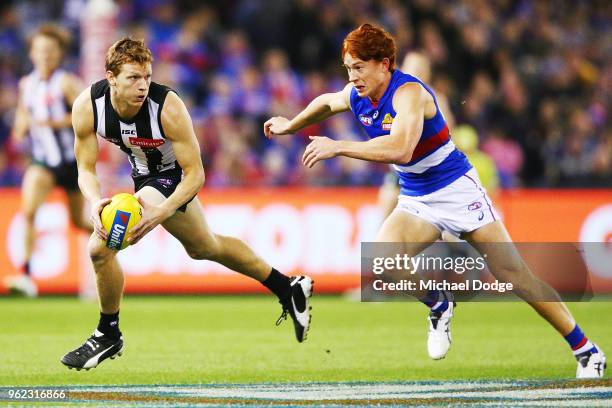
(53, 31)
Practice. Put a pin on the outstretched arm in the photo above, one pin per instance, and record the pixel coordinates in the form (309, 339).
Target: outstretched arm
(395, 148)
(321, 108)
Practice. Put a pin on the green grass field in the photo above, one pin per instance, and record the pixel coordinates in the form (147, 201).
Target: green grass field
(196, 340)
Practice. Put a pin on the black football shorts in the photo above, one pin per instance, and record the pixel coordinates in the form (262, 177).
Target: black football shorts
(164, 183)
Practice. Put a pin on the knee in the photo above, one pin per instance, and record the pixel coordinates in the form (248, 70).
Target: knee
(516, 273)
(98, 252)
(210, 250)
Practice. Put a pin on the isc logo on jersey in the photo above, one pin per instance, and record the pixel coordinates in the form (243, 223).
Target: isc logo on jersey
(118, 218)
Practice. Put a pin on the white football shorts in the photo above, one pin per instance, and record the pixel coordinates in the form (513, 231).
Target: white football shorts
(462, 206)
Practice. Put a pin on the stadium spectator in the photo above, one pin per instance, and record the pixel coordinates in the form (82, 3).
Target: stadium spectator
(504, 66)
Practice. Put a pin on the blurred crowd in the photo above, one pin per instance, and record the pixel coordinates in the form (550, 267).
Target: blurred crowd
(533, 78)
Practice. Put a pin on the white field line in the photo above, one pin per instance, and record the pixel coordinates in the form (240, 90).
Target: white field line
(342, 391)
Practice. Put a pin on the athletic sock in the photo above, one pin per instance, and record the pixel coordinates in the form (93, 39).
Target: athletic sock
(579, 342)
(109, 325)
(279, 284)
(436, 300)
(26, 268)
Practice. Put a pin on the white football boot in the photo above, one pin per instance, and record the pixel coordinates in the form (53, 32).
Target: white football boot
(22, 284)
(439, 336)
(591, 365)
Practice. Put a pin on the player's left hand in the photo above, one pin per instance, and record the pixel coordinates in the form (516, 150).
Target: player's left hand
(152, 216)
(320, 148)
(277, 125)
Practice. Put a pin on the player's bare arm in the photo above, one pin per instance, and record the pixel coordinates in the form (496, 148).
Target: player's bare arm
(409, 102)
(21, 125)
(178, 128)
(86, 153)
(321, 108)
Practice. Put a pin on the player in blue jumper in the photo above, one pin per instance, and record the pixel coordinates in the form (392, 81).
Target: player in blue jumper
(440, 191)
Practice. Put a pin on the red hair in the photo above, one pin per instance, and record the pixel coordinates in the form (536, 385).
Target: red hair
(127, 51)
(369, 42)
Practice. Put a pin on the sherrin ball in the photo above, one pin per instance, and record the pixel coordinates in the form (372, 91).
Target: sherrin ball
(118, 218)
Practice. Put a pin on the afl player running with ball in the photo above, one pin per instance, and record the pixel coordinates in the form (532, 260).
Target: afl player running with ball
(151, 125)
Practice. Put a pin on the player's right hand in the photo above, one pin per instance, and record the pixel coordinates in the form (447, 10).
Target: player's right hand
(277, 125)
(96, 210)
(152, 216)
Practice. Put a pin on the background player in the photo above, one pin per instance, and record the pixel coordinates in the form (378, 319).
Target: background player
(43, 113)
(439, 187)
(150, 123)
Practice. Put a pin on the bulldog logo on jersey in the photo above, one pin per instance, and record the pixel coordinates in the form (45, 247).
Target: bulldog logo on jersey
(387, 122)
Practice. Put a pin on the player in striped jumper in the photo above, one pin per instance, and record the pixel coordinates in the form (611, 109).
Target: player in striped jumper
(151, 125)
(43, 118)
